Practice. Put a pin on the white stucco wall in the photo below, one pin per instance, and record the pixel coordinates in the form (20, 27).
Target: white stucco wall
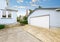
(2, 4)
(6, 20)
(38, 13)
(13, 19)
(54, 16)
(55, 19)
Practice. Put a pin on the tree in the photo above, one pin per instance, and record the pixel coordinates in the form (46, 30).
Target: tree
(23, 21)
(30, 11)
(39, 7)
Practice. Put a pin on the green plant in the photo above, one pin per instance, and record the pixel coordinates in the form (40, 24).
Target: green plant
(23, 21)
(2, 26)
(18, 19)
(31, 11)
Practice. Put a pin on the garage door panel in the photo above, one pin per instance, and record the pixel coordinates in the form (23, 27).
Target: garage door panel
(40, 21)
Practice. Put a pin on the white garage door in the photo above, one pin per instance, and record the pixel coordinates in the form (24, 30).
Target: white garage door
(42, 21)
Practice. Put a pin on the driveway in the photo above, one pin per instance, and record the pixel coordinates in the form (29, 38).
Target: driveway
(16, 34)
(45, 35)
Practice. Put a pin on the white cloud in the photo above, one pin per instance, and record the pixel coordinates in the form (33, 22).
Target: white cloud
(34, 5)
(35, 0)
(16, 6)
(21, 0)
(22, 7)
(18, 1)
(19, 7)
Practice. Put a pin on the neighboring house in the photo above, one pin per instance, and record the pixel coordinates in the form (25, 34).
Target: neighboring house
(45, 17)
(7, 14)
(21, 16)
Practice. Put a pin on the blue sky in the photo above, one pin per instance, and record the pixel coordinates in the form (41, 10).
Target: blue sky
(22, 5)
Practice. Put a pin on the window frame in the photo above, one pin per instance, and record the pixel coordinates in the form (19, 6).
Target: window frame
(6, 13)
(3, 13)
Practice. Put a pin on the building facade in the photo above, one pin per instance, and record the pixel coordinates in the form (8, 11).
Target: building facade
(45, 17)
(7, 14)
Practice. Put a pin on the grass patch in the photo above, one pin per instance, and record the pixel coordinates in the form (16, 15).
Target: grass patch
(2, 26)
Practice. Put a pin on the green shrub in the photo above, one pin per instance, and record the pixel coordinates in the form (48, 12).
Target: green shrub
(2, 26)
(25, 20)
(22, 21)
(18, 19)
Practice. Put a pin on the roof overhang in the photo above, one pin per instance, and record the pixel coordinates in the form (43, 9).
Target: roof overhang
(47, 9)
(10, 9)
(57, 9)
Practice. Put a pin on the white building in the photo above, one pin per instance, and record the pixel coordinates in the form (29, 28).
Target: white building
(45, 17)
(7, 15)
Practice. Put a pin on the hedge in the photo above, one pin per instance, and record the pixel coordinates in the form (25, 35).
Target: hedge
(2, 26)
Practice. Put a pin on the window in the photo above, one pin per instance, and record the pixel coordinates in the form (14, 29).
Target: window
(9, 14)
(4, 14)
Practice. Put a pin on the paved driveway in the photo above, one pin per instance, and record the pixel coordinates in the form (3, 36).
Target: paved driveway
(16, 35)
(45, 35)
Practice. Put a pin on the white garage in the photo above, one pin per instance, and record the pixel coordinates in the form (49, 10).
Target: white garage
(46, 17)
(42, 21)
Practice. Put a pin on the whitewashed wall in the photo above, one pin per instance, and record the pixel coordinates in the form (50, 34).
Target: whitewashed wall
(55, 19)
(38, 13)
(2, 4)
(54, 16)
(8, 20)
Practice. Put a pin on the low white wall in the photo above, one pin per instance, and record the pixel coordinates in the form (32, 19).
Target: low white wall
(7, 21)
